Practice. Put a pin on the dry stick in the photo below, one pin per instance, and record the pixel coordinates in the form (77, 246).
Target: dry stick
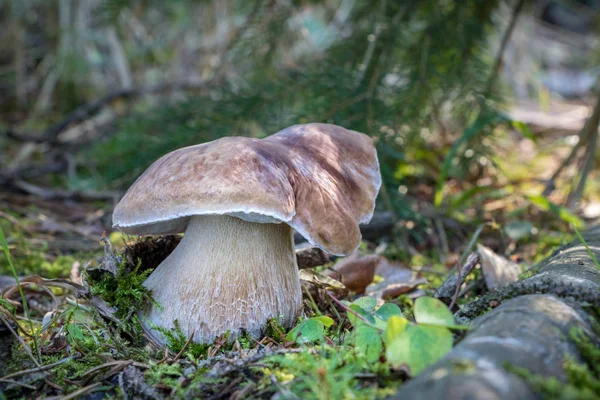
(83, 390)
(462, 274)
(20, 339)
(15, 288)
(39, 369)
(15, 320)
(585, 134)
(348, 309)
(25, 385)
(588, 161)
(504, 43)
(591, 126)
(108, 364)
(184, 348)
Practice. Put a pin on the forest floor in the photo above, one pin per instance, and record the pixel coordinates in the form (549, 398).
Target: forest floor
(72, 330)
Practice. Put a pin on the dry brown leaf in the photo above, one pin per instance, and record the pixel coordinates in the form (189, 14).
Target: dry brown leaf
(356, 272)
(497, 271)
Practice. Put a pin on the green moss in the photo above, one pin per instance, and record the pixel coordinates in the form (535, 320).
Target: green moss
(325, 373)
(176, 341)
(275, 330)
(7, 306)
(31, 259)
(125, 292)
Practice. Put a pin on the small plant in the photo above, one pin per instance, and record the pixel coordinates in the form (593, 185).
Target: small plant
(413, 345)
(177, 342)
(587, 248)
(124, 291)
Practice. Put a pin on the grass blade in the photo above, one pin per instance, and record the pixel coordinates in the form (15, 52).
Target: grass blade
(14, 272)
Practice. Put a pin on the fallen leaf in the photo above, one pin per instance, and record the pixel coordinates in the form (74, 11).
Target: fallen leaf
(356, 272)
(385, 291)
(318, 279)
(497, 271)
(398, 280)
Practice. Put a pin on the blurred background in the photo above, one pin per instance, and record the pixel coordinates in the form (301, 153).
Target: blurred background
(485, 113)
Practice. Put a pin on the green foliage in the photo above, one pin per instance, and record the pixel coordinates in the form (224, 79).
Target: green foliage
(517, 230)
(414, 345)
(310, 330)
(419, 346)
(562, 213)
(165, 374)
(587, 248)
(31, 260)
(177, 341)
(125, 292)
(325, 373)
(397, 65)
(487, 120)
(275, 330)
(367, 342)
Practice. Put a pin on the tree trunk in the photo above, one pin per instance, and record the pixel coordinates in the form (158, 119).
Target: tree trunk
(531, 327)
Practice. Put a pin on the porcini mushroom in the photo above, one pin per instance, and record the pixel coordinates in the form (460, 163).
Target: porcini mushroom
(238, 199)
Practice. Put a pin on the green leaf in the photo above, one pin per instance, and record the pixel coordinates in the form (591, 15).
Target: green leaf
(517, 230)
(395, 327)
(388, 310)
(368, 343)
(564, 214)
(309, 330)
(523, 128)
(433, 312)
(366, 303)
(419, 346)
(327, 321)
(354, 320)
(75, 332)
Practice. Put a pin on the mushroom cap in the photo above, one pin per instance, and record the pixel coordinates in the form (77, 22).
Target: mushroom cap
(320, 179)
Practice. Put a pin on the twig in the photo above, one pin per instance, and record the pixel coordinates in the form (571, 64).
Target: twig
(503, 44)
(83, 390)
(462, 275)
(458, 284)
(449, 290)
(348, 309)
(25, 385)
(587, 133)
(14, 319)
(11, 290)
(38, 369)
(184, 348)
(108, 364)
(20, 339)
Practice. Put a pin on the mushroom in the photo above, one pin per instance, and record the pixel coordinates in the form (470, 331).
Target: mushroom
(238, 199)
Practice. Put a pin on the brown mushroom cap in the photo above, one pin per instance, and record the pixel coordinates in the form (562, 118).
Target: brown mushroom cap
(320, 179)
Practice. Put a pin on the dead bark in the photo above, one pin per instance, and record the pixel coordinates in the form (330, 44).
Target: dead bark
(531, 327)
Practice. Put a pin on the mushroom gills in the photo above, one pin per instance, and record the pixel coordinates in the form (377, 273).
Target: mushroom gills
(226, 275)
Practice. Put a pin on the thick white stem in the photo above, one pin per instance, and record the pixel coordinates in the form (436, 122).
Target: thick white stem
(227, 275)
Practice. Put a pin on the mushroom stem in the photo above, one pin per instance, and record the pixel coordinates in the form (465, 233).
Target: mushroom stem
(226, 275)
